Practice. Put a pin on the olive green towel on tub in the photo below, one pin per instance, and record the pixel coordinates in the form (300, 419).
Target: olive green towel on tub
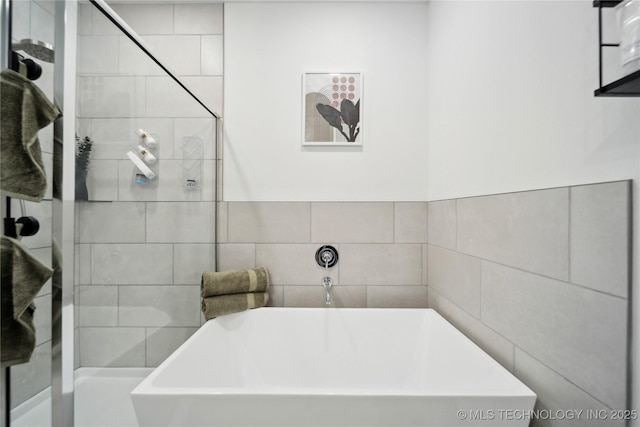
(234, 282)
(232, 303)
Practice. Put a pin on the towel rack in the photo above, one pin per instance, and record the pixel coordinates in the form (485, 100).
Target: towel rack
(25, 66)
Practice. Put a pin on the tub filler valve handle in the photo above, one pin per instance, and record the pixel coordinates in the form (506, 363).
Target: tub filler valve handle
(327, 256)
(327, 282)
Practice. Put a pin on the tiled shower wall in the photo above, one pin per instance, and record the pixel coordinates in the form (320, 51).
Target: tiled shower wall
(35, 19)
(141, 249)
(540, 280)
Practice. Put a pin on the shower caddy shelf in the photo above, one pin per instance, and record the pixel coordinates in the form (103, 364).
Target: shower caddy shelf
(627, 86)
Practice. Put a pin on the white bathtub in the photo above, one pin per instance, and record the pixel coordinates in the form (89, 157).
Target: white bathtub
(331, 367)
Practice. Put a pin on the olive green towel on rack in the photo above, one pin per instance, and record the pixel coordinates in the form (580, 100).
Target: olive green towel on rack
(22, 278)
(24, 110)
(234, 282)
(233, 303)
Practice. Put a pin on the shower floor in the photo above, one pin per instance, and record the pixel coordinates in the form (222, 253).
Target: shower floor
(102, 399)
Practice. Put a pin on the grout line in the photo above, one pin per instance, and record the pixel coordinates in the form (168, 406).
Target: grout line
(515, 346)
(520, 269)
(455, 208)
(569, 215)
(559, 375)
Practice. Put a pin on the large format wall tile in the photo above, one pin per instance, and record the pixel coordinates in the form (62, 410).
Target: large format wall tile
(212, 55)
(236, 256)
(113, 137)
(44, 256)
(42, 24)
(85, 18)
(139, 17)
(165, 98)
(276, 296)
(28, 379)
(261, 222)
(380, 264)
(410, 222)
(441, 223)
(303, 296)
(490, 341)
(455, 276)
(348, 296)
(136, 264)
(191, 260)
(44, 212)
(397, 296)
(560, 396)
(347, 222)
(83, 264)
(579, 333)
(600, 236)
(112, 347)
(102, 180)
(203, 128)
(99, 54)
(315, 296)
(180, 53)
(21, 20)
(222, 231)
(159, 306)
(189, 222)
(131, 61)
(42, 318)
(540, 252)
(425, 264)
(161, 342)
(111, 96)
(198, 18)
(110, 222)
(294, 264)
(210, 92)
(528, 230)
(167, 187)
(97, 305)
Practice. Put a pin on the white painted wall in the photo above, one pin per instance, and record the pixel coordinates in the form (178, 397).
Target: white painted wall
(511, 103)
(268, 46)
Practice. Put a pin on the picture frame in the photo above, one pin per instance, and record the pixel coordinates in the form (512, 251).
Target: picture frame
(332, 109)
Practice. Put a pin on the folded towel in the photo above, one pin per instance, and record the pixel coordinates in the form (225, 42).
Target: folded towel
(22, 278)
(234, 282)
(232, 303)
(24, 110)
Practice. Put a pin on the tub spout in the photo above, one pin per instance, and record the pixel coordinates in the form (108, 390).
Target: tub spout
(327, 282)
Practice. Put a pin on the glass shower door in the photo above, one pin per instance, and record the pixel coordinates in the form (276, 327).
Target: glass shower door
(145, 203)
(30, 44)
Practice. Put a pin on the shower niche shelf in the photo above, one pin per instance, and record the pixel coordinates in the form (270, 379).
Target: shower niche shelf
(627, 86)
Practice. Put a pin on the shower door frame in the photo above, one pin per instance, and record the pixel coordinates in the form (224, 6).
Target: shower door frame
(62, 346)
(63, 218)
(5, 51)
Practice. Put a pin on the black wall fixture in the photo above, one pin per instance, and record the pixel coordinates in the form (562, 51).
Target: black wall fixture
(327, 256)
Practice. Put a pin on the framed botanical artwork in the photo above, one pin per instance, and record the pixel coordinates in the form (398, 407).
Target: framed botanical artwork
(332, 109)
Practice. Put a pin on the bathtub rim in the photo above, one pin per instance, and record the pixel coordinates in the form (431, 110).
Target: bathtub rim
(147, 386)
